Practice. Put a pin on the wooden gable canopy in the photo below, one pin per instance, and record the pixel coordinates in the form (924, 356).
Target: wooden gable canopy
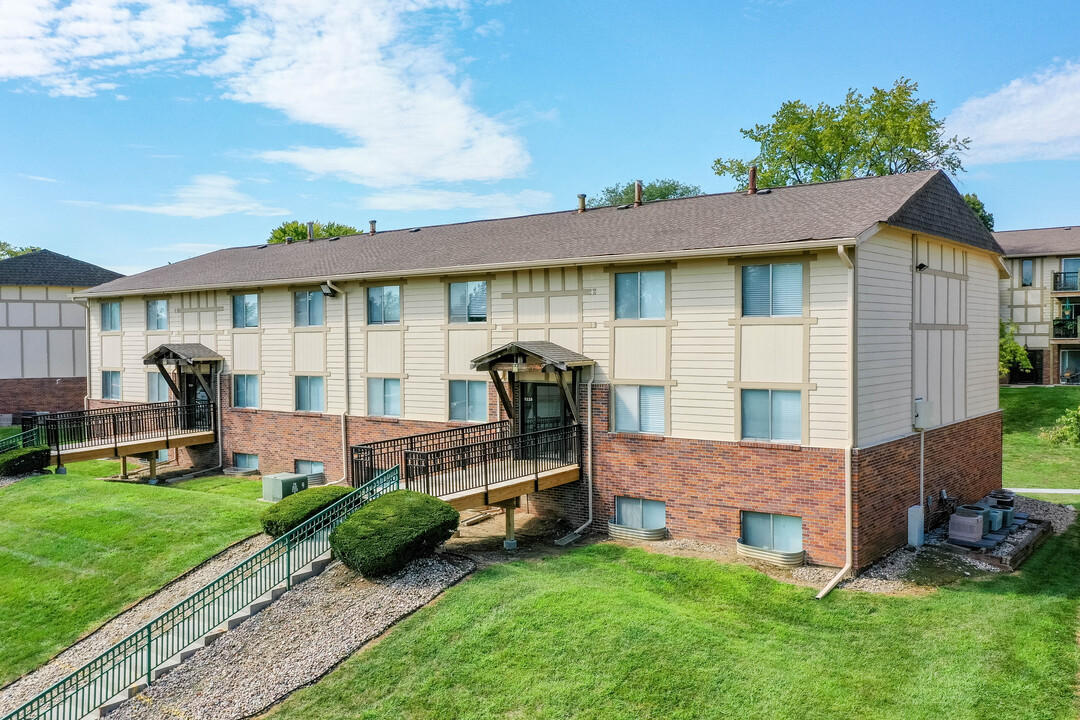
(187, 354)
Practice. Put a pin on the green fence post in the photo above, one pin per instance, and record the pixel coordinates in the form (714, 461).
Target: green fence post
(149, 656)
(288, 560)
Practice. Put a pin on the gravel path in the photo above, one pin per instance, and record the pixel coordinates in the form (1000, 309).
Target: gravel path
(6, 480)
(26, 687)
(293, 642)
(1060, 516)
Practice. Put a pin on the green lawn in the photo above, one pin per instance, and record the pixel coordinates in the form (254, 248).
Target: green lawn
(10, 430)
(611, 632)
(1030, 462)
(75, 551)
(243, 488)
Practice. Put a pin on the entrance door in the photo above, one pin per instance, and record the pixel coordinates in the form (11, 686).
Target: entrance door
(197, 417)
(542, 407)
(1028, 377)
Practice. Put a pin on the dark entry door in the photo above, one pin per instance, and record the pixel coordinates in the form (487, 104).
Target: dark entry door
(194, 395)
(1028, 377)
(542, 407)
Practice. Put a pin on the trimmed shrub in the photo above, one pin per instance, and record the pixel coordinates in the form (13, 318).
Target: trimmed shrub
(287, 513)
(24, 460)
(393, 530)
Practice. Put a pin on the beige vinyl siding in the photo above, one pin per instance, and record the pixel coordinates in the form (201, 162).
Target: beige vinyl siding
(333, 352)
(982, 336)
(884, 337)
(276, 385)
(41, 332)
(596, 313)
(424, 312)
(828, 351)
(358, 341)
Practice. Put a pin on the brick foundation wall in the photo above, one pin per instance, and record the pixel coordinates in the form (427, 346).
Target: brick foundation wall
(60, 394)
(964, 459)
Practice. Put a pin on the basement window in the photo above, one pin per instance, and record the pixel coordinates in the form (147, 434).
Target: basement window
(308, 467)
(640, 514)
(782, 533)
(246, 461)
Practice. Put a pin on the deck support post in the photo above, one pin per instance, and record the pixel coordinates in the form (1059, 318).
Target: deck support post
(509, 506)
(153, 469)
(123, 467)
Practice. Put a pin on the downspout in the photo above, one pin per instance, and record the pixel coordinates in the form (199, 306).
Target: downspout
(220, 429)
(86, 398)
(588, 432)
(345, 412)
(849, 549)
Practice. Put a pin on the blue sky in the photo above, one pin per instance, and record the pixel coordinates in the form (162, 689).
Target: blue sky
(139, 133)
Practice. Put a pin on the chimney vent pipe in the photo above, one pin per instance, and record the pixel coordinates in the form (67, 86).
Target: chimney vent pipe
(288, 239)
(581, 202)
(372, 223)
(751, 185)
(310, 231)
(637, 193)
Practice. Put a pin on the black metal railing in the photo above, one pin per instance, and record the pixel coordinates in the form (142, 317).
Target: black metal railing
(68, 431)
(1066, 281)
(38, 419)
(370, 459)
(1064, 328)
(478, 465)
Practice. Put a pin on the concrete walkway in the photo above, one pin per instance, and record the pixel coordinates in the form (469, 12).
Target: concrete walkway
(1046, 491)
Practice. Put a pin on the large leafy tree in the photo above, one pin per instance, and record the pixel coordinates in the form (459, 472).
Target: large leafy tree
(622, 194)
(298, 231)
(1010, 353)
(891, 131)
(980, 210)
(8, 250)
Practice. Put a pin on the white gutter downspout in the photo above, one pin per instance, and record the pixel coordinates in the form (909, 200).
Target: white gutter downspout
(85, 302)
(849, 550)
(588, 431)
(345, 412)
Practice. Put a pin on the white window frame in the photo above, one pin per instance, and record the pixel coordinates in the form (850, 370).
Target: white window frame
(297, 379)
(236, 384)
(771, 438)
(243, 298)
(367, 300)
(371, 406)
(166, 315)
(468, 401)
(772, 271)
(153, 379)
(238, 455)
(618, 425)
(637, 314)
(109, 326)
(308, 294)
(468, 290)
(311, 467)
(107, 385)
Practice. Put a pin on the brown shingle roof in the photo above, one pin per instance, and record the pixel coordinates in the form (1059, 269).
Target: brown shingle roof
(922, 202)
(45, 267)
(1042, 241)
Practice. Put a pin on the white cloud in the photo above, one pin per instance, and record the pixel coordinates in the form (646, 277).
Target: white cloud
(493, 204)
(207, 196)
(1032, 118)
(490, 28)
(39, 178)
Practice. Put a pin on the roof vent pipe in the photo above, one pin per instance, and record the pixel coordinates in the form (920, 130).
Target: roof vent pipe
(637, 193)
(288, 239)
(581, 202)
(310, 231)
(372, 223)
(751, 183)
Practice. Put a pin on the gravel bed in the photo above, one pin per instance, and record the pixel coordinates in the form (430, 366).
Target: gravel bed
(85, 650)
(292, 643)
(1060, 516)
(6, 480)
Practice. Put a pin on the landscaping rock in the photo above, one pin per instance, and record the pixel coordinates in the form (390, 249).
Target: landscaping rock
(1060, 516)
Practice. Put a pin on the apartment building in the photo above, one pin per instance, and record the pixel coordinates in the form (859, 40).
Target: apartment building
(745, 365)
(1041, 297)
(43, 331)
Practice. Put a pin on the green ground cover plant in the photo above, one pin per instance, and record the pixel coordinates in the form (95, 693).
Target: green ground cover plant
(76, 550)
(1030, 460)
(393, 530)
(287, 513)
(619, 633)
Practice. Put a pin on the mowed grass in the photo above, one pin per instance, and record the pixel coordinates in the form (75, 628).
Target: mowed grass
(74, 551)
(1029, 461)
(235, 487)
(616, 633)
(9, 430)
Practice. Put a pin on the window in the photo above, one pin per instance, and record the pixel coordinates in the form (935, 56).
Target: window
(1027, 272)
(157, 389)
(468, 400)
(384, 305)
(468, 302)
(110, 385)
(308, 467)
(782, 533)
(1070, 366)
(308, 308)
(110, 316)
(772, 415)
(639, 409)
(157, 314)
(772, 290)
(246, 461)
(384, 397)
(163, 455)
(245, 311)
(638, 513)
(246, 391)
(309, 393)
(640, 295)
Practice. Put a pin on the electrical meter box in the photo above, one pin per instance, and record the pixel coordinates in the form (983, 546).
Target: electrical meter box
(280, 485)
(925, 414)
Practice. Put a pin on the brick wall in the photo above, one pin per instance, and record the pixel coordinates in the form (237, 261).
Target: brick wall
(41, 395)
(705, 484)
(964, 459)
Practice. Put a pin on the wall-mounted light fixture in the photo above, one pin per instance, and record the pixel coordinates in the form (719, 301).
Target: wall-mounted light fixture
(921, 266)
(327, 290)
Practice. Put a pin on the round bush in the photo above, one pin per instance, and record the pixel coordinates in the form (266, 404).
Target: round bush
(393, 530)
(24, 460)
(287, 513)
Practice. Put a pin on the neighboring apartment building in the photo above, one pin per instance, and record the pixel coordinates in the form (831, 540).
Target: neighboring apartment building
(1042, 299)
(752, 358)
(43, 332)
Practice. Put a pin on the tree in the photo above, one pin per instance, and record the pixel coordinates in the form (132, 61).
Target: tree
(1010, 353)
(298, 231)
(8, 250)
(979, 209)
(892, 131)
(622, 194)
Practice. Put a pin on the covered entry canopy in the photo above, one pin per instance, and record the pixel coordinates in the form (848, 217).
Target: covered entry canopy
(532, 356)
(191, 355)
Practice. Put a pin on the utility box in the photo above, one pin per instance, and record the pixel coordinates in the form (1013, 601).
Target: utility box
(280, 485)
(915, 527)
(924, 413)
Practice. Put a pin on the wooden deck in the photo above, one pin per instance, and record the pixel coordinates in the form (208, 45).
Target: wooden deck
(128, 448)
(499, 492)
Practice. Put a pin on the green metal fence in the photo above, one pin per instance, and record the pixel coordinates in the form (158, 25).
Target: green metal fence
(134, 659)
(29, 438)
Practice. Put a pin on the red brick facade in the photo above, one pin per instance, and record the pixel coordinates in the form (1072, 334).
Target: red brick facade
(59, 394)
(964, 459)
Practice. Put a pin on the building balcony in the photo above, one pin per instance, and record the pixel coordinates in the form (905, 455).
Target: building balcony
(1067, 282)
(1064, 328)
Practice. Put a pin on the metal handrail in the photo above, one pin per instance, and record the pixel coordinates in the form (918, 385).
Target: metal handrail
(478, 465)
(369, 459)
(1065, 327)
(135, 658)
(1066, 281)
(29, 438)
(38, 419)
